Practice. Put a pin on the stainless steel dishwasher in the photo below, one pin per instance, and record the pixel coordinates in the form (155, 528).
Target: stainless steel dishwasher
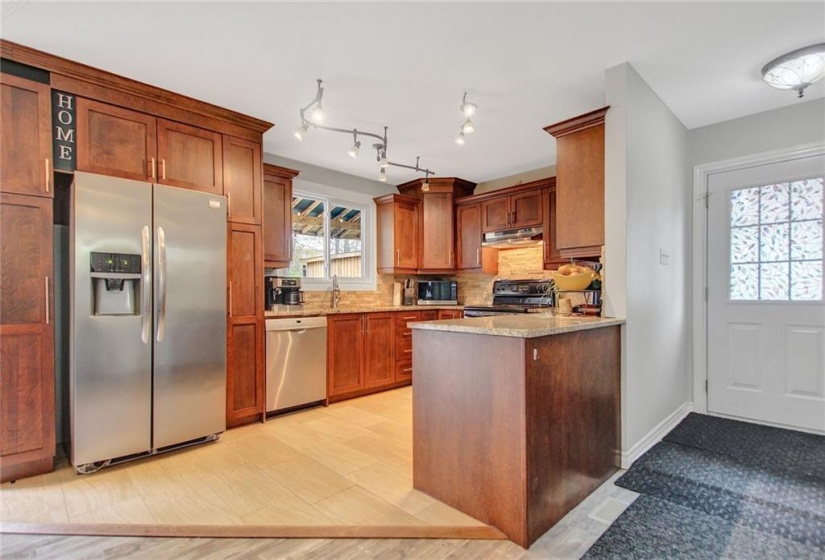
(296, 362)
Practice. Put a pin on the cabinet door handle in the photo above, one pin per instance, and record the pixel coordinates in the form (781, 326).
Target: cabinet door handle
(228, 204)
(478, 256)
(48, 167)
(408, 351)
(398, 256)
(163, 169)
(48, 318)
(229, 311)
(154, 169)
(405, 370)
(366, 325)
(514, 216)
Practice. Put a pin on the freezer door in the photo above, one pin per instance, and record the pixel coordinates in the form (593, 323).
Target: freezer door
(190, 315)
(110, 355)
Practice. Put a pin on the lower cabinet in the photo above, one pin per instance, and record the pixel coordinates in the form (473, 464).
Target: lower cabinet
(359, 354)
(27, 429)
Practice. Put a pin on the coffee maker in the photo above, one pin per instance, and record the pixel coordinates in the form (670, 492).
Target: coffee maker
(280, 290)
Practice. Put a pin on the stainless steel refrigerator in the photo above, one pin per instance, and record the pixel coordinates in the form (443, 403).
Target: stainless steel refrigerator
(148, 316)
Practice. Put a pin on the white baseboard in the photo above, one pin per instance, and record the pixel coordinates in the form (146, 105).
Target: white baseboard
(656, 434)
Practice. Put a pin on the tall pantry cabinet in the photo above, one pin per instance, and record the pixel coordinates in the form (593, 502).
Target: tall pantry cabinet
(27, 425)
(121, 128)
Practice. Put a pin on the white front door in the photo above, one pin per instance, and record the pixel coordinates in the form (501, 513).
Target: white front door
(766, 315)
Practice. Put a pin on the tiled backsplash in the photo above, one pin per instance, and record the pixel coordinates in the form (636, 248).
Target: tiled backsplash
(473, 288)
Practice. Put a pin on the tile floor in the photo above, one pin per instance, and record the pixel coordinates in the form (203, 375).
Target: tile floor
(346, 464)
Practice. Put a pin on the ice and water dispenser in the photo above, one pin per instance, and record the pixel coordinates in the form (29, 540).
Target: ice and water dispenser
(115, 283)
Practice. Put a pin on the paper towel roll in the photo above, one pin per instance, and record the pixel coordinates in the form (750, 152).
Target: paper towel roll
(397, 291)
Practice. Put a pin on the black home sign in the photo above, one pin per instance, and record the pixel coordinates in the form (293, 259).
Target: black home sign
(63, 124)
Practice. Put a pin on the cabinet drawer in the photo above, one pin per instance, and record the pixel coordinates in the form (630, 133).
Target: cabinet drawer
(404, 317)
(403, 347)
(403, 370)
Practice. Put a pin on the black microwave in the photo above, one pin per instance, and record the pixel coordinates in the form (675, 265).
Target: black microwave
(433, 292)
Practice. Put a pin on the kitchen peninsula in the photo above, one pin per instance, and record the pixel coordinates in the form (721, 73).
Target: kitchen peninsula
(515, 417)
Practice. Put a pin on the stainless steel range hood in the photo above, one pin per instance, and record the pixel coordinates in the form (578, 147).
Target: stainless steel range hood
(512, 239)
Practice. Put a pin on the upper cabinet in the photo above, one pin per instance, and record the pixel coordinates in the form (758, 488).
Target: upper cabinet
(516, 211)
(124, 143)
(436, 234)
(470, 255)
(398, 233)
(242, 182)
(580, 184)
(26, 146)
(552, 257)
(278, 215)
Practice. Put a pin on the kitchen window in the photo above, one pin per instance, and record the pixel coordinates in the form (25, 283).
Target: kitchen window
(330, 236)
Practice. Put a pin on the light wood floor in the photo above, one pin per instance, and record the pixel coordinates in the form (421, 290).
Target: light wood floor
(346, 465)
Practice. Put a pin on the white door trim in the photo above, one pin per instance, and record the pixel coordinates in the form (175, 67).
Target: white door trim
(701, 173)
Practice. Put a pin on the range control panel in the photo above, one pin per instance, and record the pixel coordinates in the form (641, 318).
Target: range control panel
(115, 262)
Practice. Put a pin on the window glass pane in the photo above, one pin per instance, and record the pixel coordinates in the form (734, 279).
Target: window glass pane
(744, 243)
(773, 281)
(774, 203)
(806, 240)
(773, 244)
(806, 199)
(744, 207)
(345, 242)
(308, 238)
(744, 281)
(806, 281)
(783, 239)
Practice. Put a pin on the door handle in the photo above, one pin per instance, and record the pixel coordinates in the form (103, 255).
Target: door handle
(230, 300)
(228, 204)
(398, 256)
(153, 170)
(161, 284)
(163, 168)
(146, 292)
(48, 318)
(478, 256)
(48, 168)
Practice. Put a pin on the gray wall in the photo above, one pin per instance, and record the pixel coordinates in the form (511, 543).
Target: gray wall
(647, 190)
(332, 178)
(801, 123)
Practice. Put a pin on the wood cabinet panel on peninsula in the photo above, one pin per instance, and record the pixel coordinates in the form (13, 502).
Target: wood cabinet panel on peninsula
(580, 184)
(26, 146)
(277, 215)
(27, 426)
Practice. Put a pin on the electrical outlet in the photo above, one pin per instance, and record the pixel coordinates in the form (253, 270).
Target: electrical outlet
(664, 256)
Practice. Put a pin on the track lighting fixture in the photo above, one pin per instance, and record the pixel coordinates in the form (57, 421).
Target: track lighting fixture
(468, 127)
(425, 186)
(301, 132)
(316, 115)
(469, 109)
(460, 139)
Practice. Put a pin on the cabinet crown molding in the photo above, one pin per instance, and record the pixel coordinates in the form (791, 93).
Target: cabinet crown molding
(575, 124)
(278, 171)
(455, 185)
(547, 182)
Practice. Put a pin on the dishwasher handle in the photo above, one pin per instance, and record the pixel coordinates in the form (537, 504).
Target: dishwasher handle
(301, 324)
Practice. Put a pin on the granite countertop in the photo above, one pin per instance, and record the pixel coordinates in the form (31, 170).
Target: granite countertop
(299, 311)
(530, 325)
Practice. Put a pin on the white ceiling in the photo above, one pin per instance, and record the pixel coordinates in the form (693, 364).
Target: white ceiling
(407, 65)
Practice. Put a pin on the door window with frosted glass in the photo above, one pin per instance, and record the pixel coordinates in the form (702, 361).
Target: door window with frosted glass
(776, 242)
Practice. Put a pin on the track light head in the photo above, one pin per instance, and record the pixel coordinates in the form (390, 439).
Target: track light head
(460, 139)
(353, 151)
(468, 127)
(382, 175)
(301, 132)
(469, 109)
(317, 114)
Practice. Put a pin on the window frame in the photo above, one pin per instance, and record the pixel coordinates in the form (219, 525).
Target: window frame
(331, 197)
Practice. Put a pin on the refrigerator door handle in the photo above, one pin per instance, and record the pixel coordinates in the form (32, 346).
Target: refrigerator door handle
(161, 284)
(146, 295)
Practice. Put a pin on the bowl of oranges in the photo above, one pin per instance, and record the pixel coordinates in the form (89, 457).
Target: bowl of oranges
(573, 277)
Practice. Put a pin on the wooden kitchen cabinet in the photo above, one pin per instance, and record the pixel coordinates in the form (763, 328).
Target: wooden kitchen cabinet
(437, 233)
(277, 197)
(120, 142)
(26, 146)
(516, 211)
(245, 325)
(242, 181)
(27, 426)
(361, 355)
(552, 256)
(580, 184)
(398, 234)
(470, 255)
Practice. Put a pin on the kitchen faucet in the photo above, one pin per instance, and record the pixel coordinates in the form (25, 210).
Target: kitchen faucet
(336, 291)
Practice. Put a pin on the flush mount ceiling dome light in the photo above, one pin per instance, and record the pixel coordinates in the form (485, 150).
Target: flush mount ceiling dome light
(796, 70)
(316, 118)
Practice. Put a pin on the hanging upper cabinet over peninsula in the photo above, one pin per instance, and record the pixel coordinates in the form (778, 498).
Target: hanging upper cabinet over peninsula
(580, 184)
(124, 143)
